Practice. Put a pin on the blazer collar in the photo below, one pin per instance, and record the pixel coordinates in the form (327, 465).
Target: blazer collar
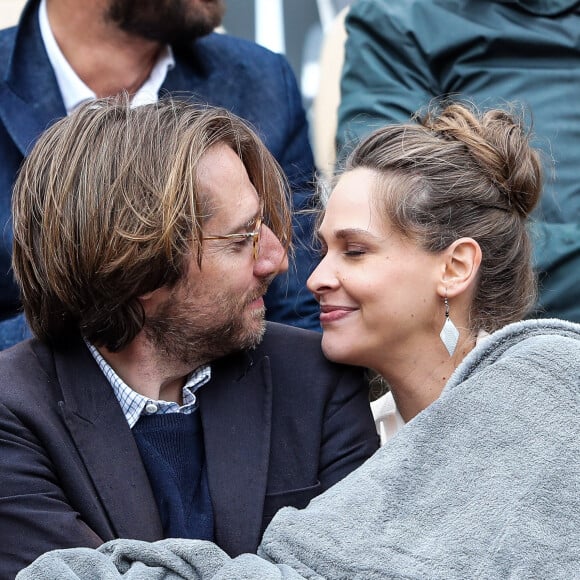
(107, 447)
(30, 100)
(236, 412)
(200, 75)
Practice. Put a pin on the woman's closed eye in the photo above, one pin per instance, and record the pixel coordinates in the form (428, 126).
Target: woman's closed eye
(353, 250)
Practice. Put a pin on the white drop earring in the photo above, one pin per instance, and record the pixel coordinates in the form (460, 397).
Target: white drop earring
(449, 334)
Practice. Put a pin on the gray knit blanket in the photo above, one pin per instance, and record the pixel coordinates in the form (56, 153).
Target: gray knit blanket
(485, 483)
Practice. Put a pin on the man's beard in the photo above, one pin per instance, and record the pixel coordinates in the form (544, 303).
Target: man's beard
(169, 22)
(182, 333)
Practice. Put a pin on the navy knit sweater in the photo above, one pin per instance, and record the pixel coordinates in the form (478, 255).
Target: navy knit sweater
(172, 450)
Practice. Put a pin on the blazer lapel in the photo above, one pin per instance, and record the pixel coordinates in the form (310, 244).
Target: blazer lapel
(30, 99)
(197, 77)
(105, 442)
(236, 409)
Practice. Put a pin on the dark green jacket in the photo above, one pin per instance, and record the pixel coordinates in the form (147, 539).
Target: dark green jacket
(400, 54)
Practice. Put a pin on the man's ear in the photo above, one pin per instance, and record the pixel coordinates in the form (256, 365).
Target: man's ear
(150, 300)
(459, 268)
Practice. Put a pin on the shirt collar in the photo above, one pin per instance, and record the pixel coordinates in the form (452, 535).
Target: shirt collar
(134, 404)
(74, 91)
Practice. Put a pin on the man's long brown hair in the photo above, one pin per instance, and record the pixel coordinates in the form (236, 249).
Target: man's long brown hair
(107, 207)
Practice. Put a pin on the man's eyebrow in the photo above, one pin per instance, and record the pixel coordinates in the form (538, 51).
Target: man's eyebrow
(247, 225)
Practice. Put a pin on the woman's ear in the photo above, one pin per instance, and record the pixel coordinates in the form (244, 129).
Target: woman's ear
(460, 266)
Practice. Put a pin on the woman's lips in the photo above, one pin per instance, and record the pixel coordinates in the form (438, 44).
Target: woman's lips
(331, 313)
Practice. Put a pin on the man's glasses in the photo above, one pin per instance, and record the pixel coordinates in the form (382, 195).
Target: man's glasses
(254, 236)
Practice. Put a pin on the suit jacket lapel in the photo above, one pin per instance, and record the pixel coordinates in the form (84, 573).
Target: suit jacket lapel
(197, 78)
(30, 99)
(236, 409)
(105, 442)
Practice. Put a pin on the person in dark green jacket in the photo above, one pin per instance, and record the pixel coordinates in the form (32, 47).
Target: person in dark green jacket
(401, 54)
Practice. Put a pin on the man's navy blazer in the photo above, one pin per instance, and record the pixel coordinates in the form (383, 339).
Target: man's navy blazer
(281, 424)
(221, 70)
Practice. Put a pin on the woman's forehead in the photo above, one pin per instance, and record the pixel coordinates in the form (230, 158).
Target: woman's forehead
(351, 202)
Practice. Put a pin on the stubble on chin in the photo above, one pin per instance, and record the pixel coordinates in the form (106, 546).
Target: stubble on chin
(256, 335)
(192, 340)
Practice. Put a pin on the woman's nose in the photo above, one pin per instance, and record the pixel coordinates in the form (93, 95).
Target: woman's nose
(321, 278)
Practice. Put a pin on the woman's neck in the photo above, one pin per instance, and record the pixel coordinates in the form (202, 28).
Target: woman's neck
(417, 381)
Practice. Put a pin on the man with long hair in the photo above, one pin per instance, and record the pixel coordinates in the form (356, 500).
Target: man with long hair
(64, 52)
(155, 401)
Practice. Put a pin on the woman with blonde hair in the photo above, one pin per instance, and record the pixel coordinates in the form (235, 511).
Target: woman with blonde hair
(425, 278)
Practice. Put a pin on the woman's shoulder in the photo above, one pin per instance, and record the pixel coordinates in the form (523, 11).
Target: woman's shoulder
(527, 350)
(538, 337)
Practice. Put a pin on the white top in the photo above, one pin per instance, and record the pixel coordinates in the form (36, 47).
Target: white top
(388, 420)
(74, 91)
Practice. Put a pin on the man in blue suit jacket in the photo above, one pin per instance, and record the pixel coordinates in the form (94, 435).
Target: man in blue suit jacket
(114, 46)
(156, 402)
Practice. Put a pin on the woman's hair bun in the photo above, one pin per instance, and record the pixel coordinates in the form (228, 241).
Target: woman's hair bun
(499, 144)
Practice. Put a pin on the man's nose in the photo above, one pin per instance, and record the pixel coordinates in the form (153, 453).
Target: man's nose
(272, 258)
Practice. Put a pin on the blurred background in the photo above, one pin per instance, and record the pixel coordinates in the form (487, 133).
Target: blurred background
(311, 35)
(293, 27)
(9, 11)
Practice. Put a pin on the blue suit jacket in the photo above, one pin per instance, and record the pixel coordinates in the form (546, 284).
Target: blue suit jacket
(281, 424)
(241, 76)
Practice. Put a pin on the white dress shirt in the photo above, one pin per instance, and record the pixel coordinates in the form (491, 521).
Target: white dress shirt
(74, 91)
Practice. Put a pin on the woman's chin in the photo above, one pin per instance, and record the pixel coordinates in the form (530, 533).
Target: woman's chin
(338, 350)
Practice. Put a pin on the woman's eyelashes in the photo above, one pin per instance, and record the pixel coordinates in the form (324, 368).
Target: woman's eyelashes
(350, 250)
(353, 250)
